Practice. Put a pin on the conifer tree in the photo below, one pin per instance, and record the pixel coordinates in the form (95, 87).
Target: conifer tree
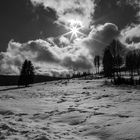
(108, 63)
(26, 74)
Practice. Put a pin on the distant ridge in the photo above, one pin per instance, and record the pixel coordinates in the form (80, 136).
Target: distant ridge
(7, 80)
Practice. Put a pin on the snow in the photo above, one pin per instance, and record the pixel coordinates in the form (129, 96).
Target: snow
(70, 110)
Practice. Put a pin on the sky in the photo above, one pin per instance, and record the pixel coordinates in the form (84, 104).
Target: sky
(59, 36)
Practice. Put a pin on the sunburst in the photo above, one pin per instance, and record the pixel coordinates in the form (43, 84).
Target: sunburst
(75, 26)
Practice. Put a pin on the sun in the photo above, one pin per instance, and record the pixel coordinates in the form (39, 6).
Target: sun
(74, 28)
(74, 32)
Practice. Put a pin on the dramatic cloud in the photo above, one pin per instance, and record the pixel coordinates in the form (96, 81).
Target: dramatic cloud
(25, 20)
(46, 58)
(131, 34)
(21, 21)
(100, 37)
(68, 10)
(49, 58)
(120, 12)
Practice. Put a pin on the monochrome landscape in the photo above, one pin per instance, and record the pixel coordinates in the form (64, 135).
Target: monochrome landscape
(70, 70)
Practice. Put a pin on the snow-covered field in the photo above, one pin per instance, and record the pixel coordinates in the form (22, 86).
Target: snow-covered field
(74, 110)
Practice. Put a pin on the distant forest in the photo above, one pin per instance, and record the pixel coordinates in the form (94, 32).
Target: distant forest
(7, 80)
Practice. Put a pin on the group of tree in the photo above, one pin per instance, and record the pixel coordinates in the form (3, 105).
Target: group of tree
(114, 63)
(112, 59)
(26, 74)
(133, 62)
(79, 74)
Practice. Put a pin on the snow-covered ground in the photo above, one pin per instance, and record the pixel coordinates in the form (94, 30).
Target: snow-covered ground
(74, 110)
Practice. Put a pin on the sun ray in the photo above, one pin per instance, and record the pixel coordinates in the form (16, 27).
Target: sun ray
(74, 29)
(71, 37)
(67, 33)
(82, 33)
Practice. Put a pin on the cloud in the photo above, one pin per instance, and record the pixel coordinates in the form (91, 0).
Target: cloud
(42, 51)
(60, 41)
(45, 57)
(120, 12)
(131, 34)
(100, 37)
(81, 63)
(21, 21)
(11, 60)
(64, 41)
(133, 46)
(73, 9)
(49, 58)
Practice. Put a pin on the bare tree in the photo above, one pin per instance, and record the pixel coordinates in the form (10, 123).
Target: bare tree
(97, 63)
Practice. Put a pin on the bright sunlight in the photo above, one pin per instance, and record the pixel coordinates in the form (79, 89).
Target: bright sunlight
(75, 26)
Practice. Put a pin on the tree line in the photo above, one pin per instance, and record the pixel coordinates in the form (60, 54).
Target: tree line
(117, 63)
(124, 68)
